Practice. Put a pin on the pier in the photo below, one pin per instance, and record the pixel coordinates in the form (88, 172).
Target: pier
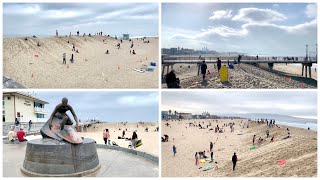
(169, 61)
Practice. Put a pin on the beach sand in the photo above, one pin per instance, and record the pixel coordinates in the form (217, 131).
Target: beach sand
(244, 76)
(294, 70)
(150, 139)
(300, 151)
(92, 68)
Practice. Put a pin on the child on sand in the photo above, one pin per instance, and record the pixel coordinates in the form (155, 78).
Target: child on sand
(254, 137)
(272, 139)
(197, 158)
(71, 59)
(106, 136)
(64, 58)
(174, 149)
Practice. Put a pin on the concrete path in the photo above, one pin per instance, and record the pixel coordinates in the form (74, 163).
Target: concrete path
(113, 163)
(9, 83)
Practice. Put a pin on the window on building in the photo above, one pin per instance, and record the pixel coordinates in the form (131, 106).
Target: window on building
(9, 98)
(40, 115)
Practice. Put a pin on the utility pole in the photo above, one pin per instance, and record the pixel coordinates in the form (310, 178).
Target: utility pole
(307, 52)
(316, 52)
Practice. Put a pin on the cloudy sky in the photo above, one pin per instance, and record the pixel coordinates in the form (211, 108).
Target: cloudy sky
(255, 28)
(43, 19)
(107, 106)
(292, 103)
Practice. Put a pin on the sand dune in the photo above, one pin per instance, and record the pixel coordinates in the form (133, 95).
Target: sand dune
(300, 151)
(150, 139)
(92, 67)
(244, 76)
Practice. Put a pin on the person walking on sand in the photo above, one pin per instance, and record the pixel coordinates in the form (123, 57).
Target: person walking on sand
(203, 69)
(106, 137)
(71, 60)
(219, 64)
(234, 160)
(73, 47)
(254, 138)
(57, 33)
(64, 58)
(211, 151)
(197, 158)
(174, 149)
(123, 133)
(267, 133)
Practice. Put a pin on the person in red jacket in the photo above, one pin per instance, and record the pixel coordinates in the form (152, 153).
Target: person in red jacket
(20, 135)
(234, 160)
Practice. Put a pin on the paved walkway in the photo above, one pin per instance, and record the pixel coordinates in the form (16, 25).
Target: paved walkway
(113, 163)
(11, 84)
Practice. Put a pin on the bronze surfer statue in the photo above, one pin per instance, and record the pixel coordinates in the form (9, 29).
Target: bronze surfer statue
(59, 124)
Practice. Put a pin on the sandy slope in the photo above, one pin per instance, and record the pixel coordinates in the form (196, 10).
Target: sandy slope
(300, 151)
(92, 67)
(150, 139)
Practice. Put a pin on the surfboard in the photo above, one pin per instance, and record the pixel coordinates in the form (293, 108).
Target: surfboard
(138, 70)
(208, 168)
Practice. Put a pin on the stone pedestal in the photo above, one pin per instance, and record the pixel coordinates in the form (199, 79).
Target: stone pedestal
(49, 158)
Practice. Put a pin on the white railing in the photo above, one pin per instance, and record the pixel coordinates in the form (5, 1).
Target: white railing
(40, 110)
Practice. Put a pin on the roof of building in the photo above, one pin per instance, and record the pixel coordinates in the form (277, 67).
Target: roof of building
(25, 95)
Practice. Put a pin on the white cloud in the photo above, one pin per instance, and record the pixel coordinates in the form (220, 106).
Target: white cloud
(304, 28)
(142, 100)
(255, 15)
(21, 9)
(311, 10)
(222, 14)
(63, 14)
(223, 31)
(275, 5)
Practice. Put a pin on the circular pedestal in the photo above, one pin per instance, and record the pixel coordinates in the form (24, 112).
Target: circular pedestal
(49, 157)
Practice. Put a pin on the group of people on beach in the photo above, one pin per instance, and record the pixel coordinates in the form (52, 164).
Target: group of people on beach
(204, 67)
(133, 140)
(64, 57)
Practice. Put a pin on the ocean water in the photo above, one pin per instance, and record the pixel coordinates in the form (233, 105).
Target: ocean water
(313, 126)
(286, 120)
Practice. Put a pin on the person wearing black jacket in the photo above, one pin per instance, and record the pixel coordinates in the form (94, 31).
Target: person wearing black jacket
(234, 160)
(219, 64)
(172, 81)
(203, 69)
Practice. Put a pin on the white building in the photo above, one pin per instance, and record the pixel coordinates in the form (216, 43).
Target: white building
(22, 106)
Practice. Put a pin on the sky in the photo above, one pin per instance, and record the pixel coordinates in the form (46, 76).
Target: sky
(301, 104)
(107, 106)
(281, 29)
(43, 19)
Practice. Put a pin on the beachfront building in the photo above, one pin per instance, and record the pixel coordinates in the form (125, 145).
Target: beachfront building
(23, 107)
(185, 115)
(165, 115)
(126, 36)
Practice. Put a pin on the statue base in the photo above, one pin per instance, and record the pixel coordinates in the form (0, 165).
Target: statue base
(52, 158)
